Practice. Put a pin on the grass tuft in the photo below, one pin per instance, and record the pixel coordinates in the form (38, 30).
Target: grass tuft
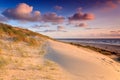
(3, 62)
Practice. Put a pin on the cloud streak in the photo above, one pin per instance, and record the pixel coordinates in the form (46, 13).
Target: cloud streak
(113, 33)
(3, 19)
(60, 28)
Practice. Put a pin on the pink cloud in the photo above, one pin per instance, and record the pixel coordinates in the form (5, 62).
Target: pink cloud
(81, 16)
(52, 17)
(118, 1)
(22, 12)
(58, 7)
(109, 5)
(23, 8)
(77, 18)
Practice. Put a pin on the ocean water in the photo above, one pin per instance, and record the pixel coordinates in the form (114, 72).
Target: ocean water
(98, 41)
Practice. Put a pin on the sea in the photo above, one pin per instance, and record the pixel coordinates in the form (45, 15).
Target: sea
(110, 44)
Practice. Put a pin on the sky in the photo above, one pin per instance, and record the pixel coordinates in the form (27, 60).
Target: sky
(64, 18)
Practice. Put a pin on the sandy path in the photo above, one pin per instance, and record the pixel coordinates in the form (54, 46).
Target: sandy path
(81, 63)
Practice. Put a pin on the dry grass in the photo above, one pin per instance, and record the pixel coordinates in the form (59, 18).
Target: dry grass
(22, 56)
(17, 34)
(3, 62)
(19, 61)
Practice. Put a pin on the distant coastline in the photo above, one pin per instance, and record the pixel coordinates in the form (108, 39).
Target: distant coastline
(106, 46)
(110, 41)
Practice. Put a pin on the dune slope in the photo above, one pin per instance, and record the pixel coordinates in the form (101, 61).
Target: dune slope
(21, 56)
(82, 63)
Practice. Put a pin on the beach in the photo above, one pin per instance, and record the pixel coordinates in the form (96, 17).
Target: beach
(82, 63)
(112, 45)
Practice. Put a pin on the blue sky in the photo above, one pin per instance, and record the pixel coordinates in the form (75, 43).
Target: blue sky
(64, 18)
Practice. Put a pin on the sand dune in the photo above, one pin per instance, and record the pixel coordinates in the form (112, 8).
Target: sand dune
(82, 63)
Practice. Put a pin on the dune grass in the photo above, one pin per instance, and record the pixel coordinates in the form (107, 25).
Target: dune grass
(18, 34)
(3, 62)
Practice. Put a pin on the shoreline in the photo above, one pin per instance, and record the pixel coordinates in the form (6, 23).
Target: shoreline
(101, 48)
(80, 62)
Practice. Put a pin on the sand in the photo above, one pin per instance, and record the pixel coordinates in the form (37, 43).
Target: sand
(108, 47)
(82, 63)
(18, 61)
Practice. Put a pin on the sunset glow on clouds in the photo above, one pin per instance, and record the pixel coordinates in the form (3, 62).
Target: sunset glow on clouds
(65, 19)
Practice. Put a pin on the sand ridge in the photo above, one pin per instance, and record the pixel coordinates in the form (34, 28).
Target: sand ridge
(82, 63)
